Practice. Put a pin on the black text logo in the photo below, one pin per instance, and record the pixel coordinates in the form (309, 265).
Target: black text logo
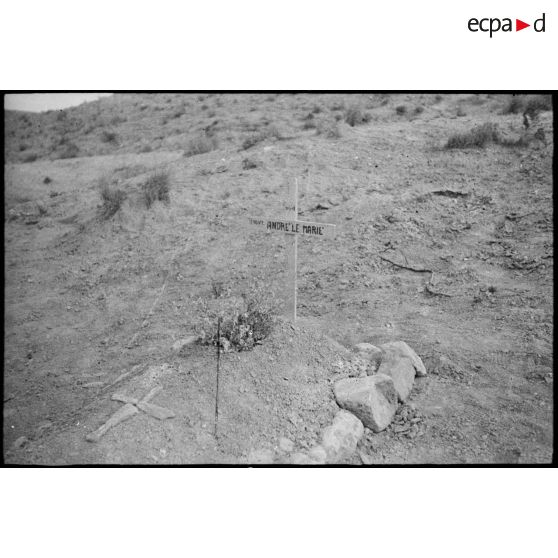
(492, 25)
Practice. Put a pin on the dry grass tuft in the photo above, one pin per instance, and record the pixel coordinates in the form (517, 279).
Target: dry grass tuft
(112, 199)
(202, 143)
(479, 136)
(156, 188)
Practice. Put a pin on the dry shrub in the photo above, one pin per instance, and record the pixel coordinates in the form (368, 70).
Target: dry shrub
(537, 104)
(270, 131)
(246, 320)
(531, 105)
(248, 164)
(202, 143)
(355, 116)
(328, 128)
(479, 136)
(515, 104)
(156, 188)
(29, 157)
(69, 151)
(112, 199)
(108, 137)
(309, 122)
(401, 110)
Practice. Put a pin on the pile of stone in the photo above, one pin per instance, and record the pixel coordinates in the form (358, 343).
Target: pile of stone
(369, 400)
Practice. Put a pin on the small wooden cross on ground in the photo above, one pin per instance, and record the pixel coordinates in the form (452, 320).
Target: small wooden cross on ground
(132, 406)
(292, 228)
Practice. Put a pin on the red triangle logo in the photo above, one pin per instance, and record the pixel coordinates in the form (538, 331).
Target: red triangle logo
(519, 25)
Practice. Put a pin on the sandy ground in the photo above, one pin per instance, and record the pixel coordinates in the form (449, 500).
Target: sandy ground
(88, 299)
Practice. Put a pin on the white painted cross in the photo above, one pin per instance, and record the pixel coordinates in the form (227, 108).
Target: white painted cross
(292, 228)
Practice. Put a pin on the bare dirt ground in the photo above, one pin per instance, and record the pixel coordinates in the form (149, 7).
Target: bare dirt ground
(450, 250)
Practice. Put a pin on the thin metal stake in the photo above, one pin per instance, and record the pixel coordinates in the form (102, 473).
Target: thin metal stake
(218, 360)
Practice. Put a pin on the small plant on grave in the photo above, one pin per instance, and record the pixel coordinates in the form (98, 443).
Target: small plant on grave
(156, 188)
(246, 320)
(401, 110)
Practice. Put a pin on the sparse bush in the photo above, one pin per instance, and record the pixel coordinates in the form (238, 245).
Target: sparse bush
(69, 151)
(461, 112)
(401, 109)
(245, 321)
(251, 140)
(479, 136)
(522, 141)
(537, 104)
(419, 110)
(145, 149)
(309, 124)
(202, 143)
(29, 157)
(115, 120)
(316, 110)
(108, 137)
(112, 198)
(515, 105)
(328, 128)
(268, 132)
(248, 164)
(47, 180)
(272, 131)
(156, 188)
(355, 116)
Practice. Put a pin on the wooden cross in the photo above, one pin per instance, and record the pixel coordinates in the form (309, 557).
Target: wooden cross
(293, 228)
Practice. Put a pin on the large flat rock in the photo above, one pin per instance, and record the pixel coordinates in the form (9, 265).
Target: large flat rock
(372, 399)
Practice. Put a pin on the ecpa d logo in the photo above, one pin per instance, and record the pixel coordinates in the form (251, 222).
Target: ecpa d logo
(492, 25)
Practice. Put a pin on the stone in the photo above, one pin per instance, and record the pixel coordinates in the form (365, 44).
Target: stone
(365, 458)
(300, 458)
(318, 454)
(185, 342)
(261, 457)
(401, 348)
(367, 348)
(340, 439)
(401, 371)
(286, 445)
(372, 354)
(20, 442)
(372, 399)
